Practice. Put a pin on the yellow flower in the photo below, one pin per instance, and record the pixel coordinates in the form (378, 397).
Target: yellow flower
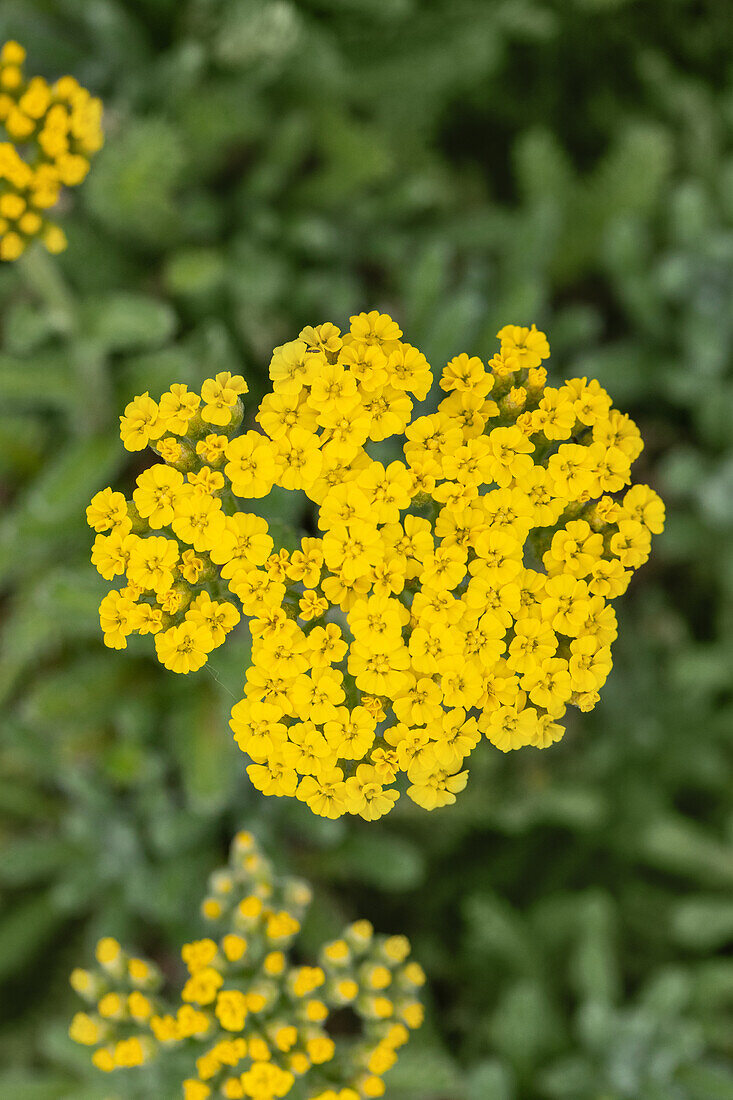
(460, 591)
(298, 459)
(108, 512)
(528, 345)
(244, 541)
(85, 1030)
(251, 466)
(177, 408)
(220, 397)
(183, 648)
(155, 495)
(198, 519)
(374, 327)
(248, 1021)
(214, 619)
(152, 563)
(202, 986)
(118, 619)
(58, 130)
(231, 1009)
(140, 423)
(199, 954)
(290, 366)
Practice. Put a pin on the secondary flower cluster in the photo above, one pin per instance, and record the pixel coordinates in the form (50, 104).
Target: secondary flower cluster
(251, 1022)
(458, 592)
(59, 126)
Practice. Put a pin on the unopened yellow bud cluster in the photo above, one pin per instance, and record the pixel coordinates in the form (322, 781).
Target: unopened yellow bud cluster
(251, 1021)
(54, 130)
(461, 591)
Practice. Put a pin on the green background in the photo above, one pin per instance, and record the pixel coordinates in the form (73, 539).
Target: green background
(461, 164)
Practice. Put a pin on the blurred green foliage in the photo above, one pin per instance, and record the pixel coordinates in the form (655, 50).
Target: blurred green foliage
(463, 164)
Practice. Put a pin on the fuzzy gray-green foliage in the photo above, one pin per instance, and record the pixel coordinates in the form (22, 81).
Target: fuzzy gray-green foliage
(462, 164)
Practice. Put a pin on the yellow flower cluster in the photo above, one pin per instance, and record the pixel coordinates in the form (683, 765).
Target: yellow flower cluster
(253, 1022)
(463, 590)
(60, 127)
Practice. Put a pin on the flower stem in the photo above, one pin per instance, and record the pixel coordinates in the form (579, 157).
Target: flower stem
(43, 277)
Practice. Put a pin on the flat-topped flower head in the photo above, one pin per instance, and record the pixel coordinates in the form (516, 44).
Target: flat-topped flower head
(460, 592)
(52, 132)
(249, 1020)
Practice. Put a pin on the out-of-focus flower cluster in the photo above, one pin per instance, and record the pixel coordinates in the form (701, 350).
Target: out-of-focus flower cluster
(461, 592)
(54, 130)
(251, 1022)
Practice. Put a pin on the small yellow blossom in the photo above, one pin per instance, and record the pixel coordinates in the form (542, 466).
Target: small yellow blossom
(250, 1022)
(52, 133)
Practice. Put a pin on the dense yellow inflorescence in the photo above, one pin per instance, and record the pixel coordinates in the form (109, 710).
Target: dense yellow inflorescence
(462, 591)
(53, 131)
(251, 1022)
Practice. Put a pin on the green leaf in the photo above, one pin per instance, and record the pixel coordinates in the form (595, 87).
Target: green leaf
(132, 188)
(707, 1082)
(27, 328)
(42, 1086)
(494, 930)
(525, 1025)
(50, 517)
(20, 800)
(424, 1073)
(209, 759)
(24, 931)
(43, 383)
(195, 271)
(60, 607)
(376, 857)
(703, 923)
(67, 483)
(33, 858)
(23, 439)
(490, 1080)
(155, 371)
(77, 693)
(128, 322)
(594, 963)
(680, 845)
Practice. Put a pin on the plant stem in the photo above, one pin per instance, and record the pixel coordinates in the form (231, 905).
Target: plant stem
(88, 362)
(43, 277)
